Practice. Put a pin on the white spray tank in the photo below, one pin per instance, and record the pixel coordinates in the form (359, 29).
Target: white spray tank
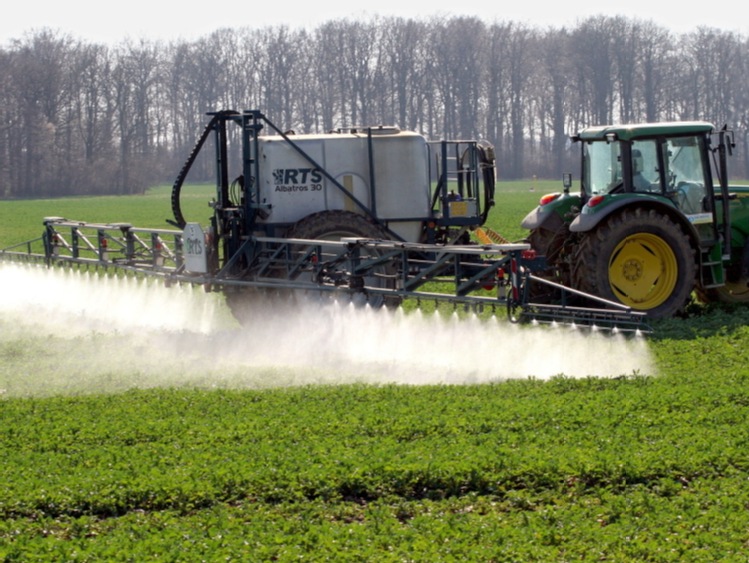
(385, 170)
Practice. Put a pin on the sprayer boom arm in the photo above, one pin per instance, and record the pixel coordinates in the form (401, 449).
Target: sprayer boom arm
(479, 276)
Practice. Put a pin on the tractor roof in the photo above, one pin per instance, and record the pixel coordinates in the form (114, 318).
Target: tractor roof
(642, 130)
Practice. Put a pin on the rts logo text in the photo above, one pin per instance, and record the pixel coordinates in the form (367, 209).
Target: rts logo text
(297, 176)
(295, 180)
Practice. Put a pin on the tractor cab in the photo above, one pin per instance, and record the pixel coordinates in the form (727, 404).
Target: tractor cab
(671, 167)
(665, 165)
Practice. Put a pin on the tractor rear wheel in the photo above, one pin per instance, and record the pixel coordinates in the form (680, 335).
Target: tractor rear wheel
(640, 258)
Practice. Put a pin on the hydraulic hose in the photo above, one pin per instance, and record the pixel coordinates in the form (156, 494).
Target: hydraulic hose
(179, 219)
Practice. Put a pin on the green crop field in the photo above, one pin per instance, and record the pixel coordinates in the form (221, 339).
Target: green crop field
(22, 219)
(111, 456)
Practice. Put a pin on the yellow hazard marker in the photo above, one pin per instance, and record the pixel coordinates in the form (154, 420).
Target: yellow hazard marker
(488, 236)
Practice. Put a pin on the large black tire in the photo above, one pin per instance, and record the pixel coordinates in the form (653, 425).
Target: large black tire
(640, 258)
(336, 225)
(543, 241)
(552, 245)
(734, 293)
(324, 225)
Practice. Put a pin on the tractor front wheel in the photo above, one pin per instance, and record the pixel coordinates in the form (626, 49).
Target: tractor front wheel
(640, 258)
(733, 292)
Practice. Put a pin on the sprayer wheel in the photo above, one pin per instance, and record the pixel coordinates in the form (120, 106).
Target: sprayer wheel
(640, 258)
(338, 224)
(246, 302)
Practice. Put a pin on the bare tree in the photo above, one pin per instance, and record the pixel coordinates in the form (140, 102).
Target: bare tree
(741, 93)
(498, 87)
(134, 82)
(92, 113)
(458, 73)
(7, 119)
(717, 57)
(276, 71)
(657, 66)
(592, 44)
(306, 100)
(40, 75)
(627, 57)
(552, 85)
(523, 52)
(359, 63)
(77, 117)
(328, 75)
(403, 44)
(512, 53)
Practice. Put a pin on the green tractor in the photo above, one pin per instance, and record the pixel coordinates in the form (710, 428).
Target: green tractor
(655, 220)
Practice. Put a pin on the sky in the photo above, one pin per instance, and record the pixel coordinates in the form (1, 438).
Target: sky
(111, 23)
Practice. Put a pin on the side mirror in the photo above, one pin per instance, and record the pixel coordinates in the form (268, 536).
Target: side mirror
(567, 182)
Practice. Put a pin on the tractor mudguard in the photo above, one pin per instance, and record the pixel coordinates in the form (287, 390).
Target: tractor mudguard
(599, 207)
(553, 209)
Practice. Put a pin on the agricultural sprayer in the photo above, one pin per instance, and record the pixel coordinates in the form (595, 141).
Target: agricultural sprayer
(375, 214)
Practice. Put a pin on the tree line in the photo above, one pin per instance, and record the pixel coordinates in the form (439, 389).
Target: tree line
(84, 118)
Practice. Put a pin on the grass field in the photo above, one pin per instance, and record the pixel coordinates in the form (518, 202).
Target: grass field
(24, 218)
(111, 454)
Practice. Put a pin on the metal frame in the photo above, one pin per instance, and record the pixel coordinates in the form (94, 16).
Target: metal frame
(475, 276)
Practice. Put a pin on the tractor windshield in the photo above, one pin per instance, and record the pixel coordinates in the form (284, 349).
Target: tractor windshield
(646, 175)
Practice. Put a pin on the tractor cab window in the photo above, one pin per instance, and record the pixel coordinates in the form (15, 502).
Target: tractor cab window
(645, 169)
(603, 163)
(686, 174)
(673, 167)
(602, 167)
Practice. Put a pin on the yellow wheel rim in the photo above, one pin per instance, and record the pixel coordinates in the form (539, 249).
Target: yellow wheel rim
(643, 271)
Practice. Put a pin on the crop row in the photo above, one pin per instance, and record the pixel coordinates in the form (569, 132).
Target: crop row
(109, 455)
